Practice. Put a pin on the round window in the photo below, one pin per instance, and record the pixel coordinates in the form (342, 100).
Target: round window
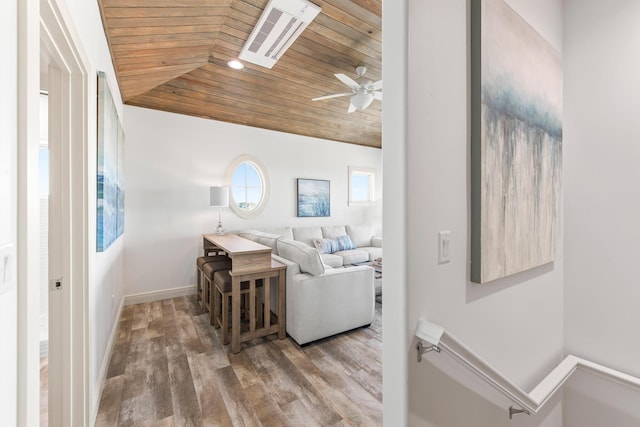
(248, 183)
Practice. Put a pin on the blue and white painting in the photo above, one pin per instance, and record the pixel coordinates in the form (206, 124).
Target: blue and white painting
(314, 198)
(516, 143)
(110, 177)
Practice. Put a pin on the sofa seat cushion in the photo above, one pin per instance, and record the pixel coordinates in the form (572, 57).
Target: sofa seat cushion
(306, 257)
(373, 252)
(353, 256)
(331, 260)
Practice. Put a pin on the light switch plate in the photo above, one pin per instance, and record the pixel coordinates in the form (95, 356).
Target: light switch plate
(6, 268)
(444, 247)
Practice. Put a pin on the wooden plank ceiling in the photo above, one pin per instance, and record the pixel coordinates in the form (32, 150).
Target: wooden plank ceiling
(172, 55)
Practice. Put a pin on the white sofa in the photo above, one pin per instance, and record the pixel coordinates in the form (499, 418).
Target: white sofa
(324, 300)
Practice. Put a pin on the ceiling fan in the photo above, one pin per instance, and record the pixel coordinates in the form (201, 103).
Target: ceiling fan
(361, 94)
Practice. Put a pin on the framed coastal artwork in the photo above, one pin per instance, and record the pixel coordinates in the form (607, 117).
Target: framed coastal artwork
(314, 197)
(110, 176)
(516, 143)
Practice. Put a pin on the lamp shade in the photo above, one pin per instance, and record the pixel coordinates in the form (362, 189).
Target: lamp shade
(219, 196)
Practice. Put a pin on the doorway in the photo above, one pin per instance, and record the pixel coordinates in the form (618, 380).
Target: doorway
(46, 42)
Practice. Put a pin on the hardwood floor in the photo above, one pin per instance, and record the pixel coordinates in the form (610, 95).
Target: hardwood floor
(44, 391)
(169, 368)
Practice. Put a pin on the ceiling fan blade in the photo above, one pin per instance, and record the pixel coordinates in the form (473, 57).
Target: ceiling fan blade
(377, 95)
(348, 81)
(352, 108)
(335, 95)
(376, 86)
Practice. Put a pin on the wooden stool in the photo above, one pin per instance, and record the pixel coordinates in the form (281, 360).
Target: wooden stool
(222, 301)
(200, 262)
(208, 270)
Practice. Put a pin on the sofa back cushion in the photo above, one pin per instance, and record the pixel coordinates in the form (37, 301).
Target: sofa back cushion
(280, 231)
(361, 235)
(334, 232)
(306, 257)
(307, 234)
(263, 238)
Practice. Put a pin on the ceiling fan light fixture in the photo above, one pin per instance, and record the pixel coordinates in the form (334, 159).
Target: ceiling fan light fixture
(235, 64)
(361, 100)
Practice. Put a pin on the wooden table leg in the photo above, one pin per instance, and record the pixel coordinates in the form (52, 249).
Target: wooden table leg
(282, 297)
(235, 314)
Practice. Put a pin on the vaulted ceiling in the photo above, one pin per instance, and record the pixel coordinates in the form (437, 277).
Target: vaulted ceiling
(172, 55)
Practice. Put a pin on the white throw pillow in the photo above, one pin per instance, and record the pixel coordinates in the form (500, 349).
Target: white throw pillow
(306, 257)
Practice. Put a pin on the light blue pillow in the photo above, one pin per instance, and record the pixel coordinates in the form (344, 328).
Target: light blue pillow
(325, 246)
(345, 243)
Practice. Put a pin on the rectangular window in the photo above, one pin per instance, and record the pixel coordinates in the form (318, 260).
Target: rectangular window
(361, 185)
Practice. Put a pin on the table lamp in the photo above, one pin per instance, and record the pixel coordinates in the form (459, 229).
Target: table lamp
(219, 198)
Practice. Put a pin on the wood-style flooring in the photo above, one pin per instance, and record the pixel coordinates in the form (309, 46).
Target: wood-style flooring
(169, 368)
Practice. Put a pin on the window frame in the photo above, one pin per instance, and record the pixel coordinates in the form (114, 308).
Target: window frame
(371, 173)
(262, 173)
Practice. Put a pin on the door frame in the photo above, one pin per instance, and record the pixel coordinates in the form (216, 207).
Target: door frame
(43, 30)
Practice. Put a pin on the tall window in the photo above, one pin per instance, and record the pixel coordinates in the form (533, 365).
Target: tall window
(246, 186)
(361, 185)
(249, 186)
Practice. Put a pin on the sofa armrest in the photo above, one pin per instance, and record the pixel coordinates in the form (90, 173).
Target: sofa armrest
(336, 301)
(376, 242)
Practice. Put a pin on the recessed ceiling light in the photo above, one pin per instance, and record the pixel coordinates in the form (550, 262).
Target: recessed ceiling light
(235, 64)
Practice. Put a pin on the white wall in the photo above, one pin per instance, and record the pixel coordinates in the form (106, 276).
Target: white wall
(106, 268)
(592, 401)
(514, 323)
(8, 208)
(602, 202)
(171, 161)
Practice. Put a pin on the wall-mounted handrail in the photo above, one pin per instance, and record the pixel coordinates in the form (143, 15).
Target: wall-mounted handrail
(441, 341)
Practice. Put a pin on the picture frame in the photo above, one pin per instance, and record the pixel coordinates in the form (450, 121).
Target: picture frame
(516, 143)
(109, 169)
(313, 197)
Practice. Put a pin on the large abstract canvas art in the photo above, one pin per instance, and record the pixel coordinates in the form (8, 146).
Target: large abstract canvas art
(314, 197)
(516, 146)
(110, 177)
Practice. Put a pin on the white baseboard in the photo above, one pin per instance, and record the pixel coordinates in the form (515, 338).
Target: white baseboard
(159, 295)
(97, 391)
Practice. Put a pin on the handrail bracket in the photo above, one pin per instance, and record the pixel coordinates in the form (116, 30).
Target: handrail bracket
(423, 350)
(513, 411)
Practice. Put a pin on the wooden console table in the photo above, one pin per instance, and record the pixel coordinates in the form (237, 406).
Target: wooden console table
(250, 261)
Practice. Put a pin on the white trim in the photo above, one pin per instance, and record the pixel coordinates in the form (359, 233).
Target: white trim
(106, 360)
(59, 44)
(28, 239)
(266, 185)
(159, 295)
(371, 189)
(540, 395)
(396, 333)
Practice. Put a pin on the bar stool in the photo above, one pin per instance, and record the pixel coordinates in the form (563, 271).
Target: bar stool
(208, 270)
(200, 262)
(222, 300)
